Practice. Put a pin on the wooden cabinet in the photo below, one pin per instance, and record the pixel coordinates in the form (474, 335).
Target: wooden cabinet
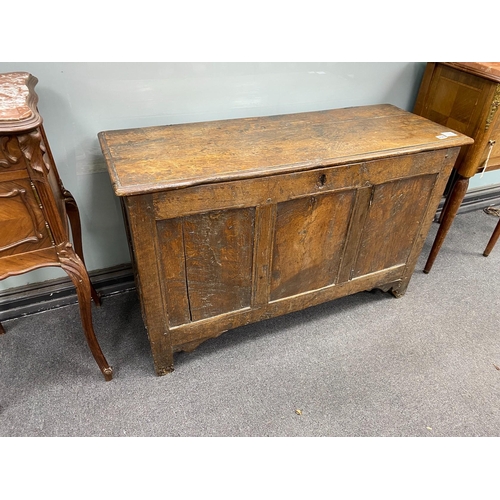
(464, 97)
(34, 205)
(231, 222)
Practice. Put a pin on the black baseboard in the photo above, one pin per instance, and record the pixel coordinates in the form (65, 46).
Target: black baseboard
(37, 297)
(477, 199)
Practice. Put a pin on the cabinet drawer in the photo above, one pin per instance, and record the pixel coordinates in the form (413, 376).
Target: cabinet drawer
(22, 226)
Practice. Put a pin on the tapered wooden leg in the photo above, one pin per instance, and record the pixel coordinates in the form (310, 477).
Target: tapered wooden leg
(76, 231)
(76, 270)
(493, 240)
(445, 207)
(1, 329)
(452, 181)
(455, 200)
(441, 215)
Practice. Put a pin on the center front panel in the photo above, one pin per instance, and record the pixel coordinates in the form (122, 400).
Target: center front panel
(310, 236)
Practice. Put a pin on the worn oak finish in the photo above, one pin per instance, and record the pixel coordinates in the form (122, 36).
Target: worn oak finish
(35, 206)
(231, 222)
(464, 97)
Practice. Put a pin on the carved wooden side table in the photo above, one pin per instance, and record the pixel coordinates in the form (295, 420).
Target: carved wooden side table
(35, 206)
(464, 97)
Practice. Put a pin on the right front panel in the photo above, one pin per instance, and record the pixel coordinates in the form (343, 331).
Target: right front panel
(392, 223)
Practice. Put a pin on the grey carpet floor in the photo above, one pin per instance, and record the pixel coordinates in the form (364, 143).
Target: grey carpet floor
(426, 364)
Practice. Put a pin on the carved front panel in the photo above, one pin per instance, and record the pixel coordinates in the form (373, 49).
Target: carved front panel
(207, 263)
(392, 223)
(22, 227)
(310, 236)
(262, 243)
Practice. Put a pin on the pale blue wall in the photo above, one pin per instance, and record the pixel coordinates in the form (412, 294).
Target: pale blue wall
(78, 100)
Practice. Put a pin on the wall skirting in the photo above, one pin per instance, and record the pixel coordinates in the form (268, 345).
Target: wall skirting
(38, 297)
(477, 199)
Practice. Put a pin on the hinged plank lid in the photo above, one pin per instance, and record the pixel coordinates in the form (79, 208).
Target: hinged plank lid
(143, 160)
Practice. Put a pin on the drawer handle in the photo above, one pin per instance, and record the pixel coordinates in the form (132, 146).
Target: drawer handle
(322, 180)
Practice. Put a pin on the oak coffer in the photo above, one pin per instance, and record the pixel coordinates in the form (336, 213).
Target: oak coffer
(234, 221)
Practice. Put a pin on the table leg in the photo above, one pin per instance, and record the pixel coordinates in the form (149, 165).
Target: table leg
(493, 240)
(76, 231)
(445, 206)
(455, 200)
(76, 270)
(2, 330)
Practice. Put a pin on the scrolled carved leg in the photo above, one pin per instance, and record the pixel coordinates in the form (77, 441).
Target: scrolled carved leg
(76, 231)
(75, 268)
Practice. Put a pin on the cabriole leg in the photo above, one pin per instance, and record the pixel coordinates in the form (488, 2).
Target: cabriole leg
(76, 231)
(76, 270)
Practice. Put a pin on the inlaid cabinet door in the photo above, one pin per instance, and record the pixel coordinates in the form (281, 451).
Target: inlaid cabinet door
(22, 226)
(456, 99)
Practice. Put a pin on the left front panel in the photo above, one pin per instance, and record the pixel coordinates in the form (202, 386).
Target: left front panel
(206, 263)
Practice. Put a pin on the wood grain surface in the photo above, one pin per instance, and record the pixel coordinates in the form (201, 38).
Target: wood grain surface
(236, 221)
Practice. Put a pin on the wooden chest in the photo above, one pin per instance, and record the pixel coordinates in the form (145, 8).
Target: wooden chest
(234, 221)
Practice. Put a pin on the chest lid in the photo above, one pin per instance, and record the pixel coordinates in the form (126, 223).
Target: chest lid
(160, 158)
